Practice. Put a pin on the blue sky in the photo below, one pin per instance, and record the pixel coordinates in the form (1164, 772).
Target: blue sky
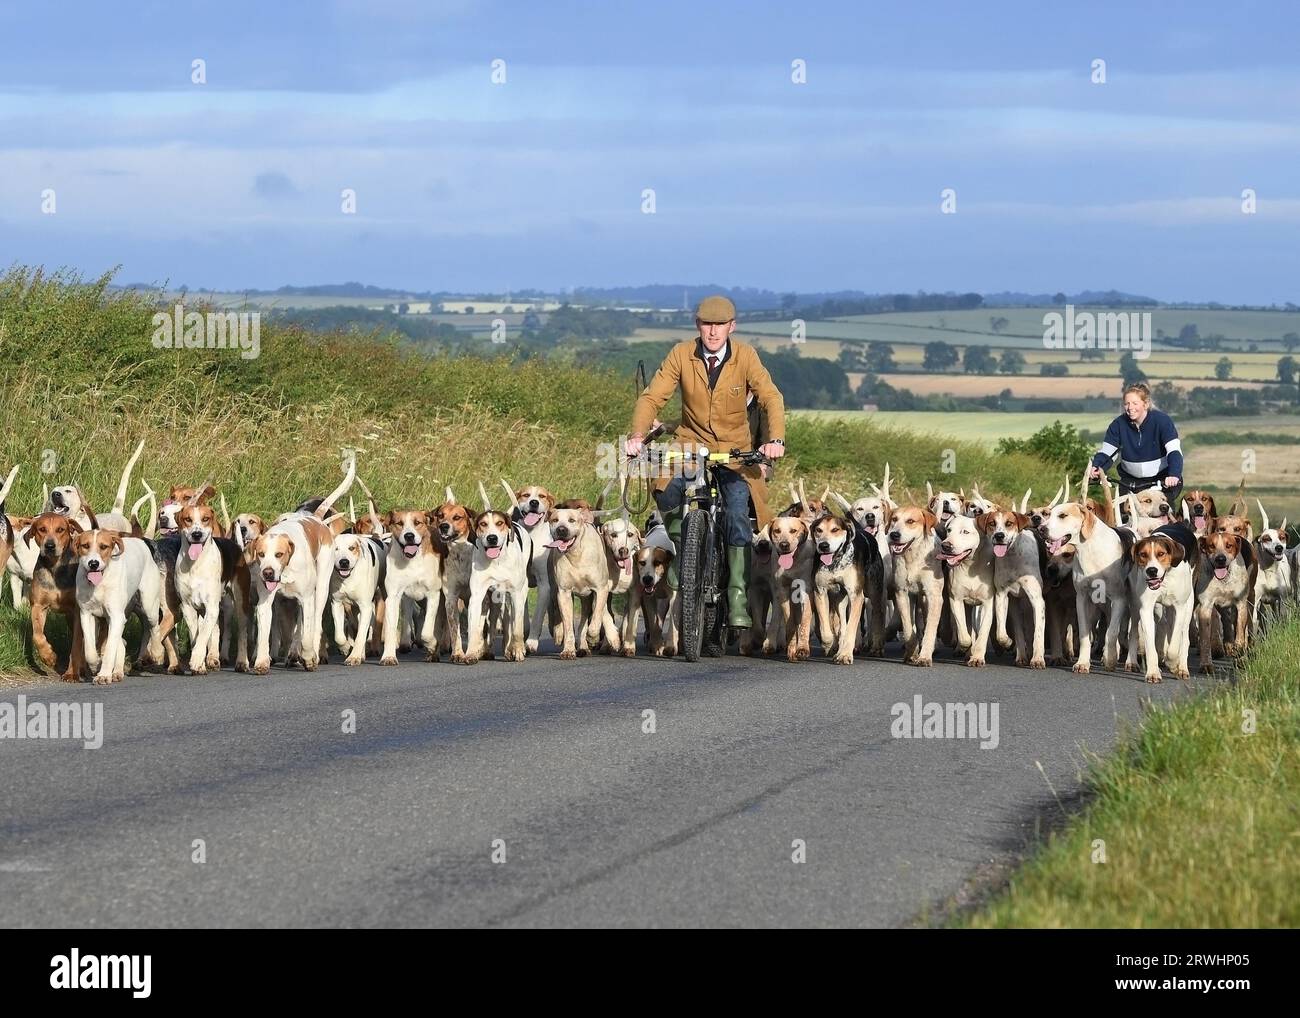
(1061, 184)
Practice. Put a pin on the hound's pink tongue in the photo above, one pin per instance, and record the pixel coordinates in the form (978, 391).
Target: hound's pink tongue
(786, 561)
(561, 546)
(94, 576)
(1200, 522)
(1055, 546)
(1221, 573)
(1000, 549)
(492, 552)
(530, 519)
(626, 563)
(827, 559)
(271, 585)
(871, 530)
(194, 551)
(409, 550)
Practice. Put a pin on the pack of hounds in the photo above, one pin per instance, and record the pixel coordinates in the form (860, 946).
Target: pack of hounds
(1048, 582)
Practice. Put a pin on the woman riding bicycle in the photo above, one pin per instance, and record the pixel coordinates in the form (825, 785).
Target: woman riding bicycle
(1146, 444)
(716, 374)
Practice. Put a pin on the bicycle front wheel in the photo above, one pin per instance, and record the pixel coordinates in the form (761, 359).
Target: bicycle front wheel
(690, 578)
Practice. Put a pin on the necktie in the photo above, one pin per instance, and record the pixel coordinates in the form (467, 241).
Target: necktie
(713, 363)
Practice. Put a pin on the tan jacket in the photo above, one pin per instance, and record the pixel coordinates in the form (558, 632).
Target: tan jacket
(716, 418)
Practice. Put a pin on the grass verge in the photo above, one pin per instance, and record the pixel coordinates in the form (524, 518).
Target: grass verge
(1199, 817)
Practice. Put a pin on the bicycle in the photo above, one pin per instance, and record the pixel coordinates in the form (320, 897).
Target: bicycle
(701, 585)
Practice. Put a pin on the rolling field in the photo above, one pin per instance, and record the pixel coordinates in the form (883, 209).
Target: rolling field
(1275, 478)
(1021, 386)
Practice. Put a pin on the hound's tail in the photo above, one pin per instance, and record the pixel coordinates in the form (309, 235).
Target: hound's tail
(323, 509)
(119, 503)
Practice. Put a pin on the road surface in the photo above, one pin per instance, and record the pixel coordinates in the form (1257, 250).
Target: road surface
(529, 794)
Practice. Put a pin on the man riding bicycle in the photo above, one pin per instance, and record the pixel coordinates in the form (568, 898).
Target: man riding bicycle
(716, 374)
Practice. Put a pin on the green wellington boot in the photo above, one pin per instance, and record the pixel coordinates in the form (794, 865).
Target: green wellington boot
(737, 588)
(673, 525)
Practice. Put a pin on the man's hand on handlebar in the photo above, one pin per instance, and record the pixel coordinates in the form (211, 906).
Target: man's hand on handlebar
(632, 444)
(773, 450)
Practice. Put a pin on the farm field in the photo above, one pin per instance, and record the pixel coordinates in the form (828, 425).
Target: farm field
(1188, 367)
(1276, 478)
(1021, 386)
(1024, 328)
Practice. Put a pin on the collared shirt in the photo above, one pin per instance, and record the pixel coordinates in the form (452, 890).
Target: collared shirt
(721, 356)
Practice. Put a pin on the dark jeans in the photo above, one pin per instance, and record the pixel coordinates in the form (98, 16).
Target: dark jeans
(735, 499)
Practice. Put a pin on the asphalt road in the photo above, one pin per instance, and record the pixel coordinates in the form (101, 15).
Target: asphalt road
(602, 824)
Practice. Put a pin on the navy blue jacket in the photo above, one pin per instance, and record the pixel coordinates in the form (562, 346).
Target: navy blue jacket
(1147, 455)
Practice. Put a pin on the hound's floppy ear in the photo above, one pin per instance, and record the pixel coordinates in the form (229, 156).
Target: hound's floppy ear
(292, 548)
(928, 520)
(1089, 519)
(90, 513)
(119, 546)
(74, 528)
(985, 521)
(1022, 521)
(1176, 550)
(588, 516)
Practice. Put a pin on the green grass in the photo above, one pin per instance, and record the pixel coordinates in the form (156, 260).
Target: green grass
(1200, 820)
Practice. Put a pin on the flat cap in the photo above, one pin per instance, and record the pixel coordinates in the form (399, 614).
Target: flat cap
(715, 309)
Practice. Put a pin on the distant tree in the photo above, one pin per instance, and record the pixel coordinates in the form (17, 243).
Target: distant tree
(1286, 369)
(403, 308)
(1054, 369)
(997, 323)
(979, 360)
(1188, 334)
(880, 358)
(1059, 298)
(1091, 353)
(1290, 341)
(469, 309)
(940, 356)
(788, 303)
(1223, 369)
(1012, 363)
(1169, 397)
(532, 320)
(850, 358)
(1129, 369)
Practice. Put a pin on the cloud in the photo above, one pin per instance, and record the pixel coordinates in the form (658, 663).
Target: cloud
(274, 186)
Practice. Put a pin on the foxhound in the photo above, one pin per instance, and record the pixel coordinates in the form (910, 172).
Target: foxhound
(1162, 575)
(651, 596)
(54, 587)
(68, 500)
(1273, 582)
(455, 530)
(498, 585)
(1201, 508)
(583, 567)
(844, 559)
(766, 632)
(357, 582)
(967, 555)
(116, 573)
(1019, 557)
(1100, 576)
(533, 503)
(206, 566)
(1225, 578)
(1059, 605)
(944, 504)
(918, 573)
(791, 579)
(293, 560)
(414, 572)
